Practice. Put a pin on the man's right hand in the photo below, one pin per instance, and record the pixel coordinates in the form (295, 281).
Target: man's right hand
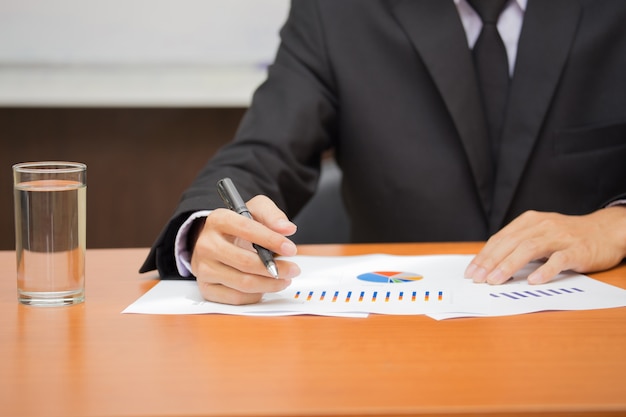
(226, 266)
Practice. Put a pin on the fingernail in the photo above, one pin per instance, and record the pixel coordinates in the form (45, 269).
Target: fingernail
(288, 249)
(535, 278)
(480, 275)
(469, 271)
(293, 271)
(284, 223)
(496, 277)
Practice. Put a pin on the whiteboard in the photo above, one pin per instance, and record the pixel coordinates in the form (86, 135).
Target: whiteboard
(140, 32)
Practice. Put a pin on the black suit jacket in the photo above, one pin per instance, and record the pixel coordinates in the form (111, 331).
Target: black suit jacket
(391, 87)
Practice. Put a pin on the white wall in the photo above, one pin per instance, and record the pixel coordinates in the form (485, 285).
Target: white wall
(121, 32)
(136, 52)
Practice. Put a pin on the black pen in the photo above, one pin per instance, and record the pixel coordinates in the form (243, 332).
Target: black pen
(229, 194)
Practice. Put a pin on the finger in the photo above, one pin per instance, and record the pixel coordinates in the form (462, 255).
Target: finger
(243, 261)
(233, 224)
(238, 287)
(495, 249)
(218, 257)
(223, 284)
(493, 254)
(218, 293)
(558, 262)
(523, 231)
(265, 211)
(249, 288)
(526, 251)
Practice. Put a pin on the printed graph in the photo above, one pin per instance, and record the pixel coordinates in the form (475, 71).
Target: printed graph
(371, 296)
(539, 293)
(389, 277)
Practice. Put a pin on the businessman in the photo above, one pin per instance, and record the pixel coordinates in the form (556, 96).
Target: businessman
(450, 122)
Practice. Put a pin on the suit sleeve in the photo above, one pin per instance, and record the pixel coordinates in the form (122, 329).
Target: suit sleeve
(278, 147)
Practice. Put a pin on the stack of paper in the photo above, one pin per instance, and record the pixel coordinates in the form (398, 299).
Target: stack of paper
(355, 286)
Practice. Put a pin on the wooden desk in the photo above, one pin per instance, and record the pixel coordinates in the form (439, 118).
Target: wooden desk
(90, 360)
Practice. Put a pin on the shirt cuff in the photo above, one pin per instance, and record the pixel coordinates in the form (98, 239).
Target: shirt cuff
(617, 203)
(181, 252)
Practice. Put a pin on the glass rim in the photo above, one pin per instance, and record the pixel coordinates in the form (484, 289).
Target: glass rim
(49, 167)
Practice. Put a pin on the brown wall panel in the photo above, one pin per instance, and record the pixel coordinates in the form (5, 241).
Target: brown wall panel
(139, 161)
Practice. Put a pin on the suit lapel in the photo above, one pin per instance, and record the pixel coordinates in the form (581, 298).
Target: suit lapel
(547, 34)
(435, 29)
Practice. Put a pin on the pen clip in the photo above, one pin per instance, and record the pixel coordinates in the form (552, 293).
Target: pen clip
(230, 196)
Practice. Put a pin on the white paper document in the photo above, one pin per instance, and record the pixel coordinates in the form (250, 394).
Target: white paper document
(355, 286)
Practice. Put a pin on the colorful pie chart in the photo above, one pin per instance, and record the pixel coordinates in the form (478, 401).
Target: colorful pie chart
(389, 277)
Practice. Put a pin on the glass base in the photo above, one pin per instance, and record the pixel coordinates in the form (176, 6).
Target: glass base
(51, 299)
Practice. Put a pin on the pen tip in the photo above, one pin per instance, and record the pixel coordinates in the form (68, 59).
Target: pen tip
(272, 269)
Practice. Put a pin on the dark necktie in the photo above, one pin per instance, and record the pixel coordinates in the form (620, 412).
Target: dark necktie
(492, 67)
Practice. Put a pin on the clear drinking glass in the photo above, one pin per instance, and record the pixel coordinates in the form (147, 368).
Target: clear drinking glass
(50, 232)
